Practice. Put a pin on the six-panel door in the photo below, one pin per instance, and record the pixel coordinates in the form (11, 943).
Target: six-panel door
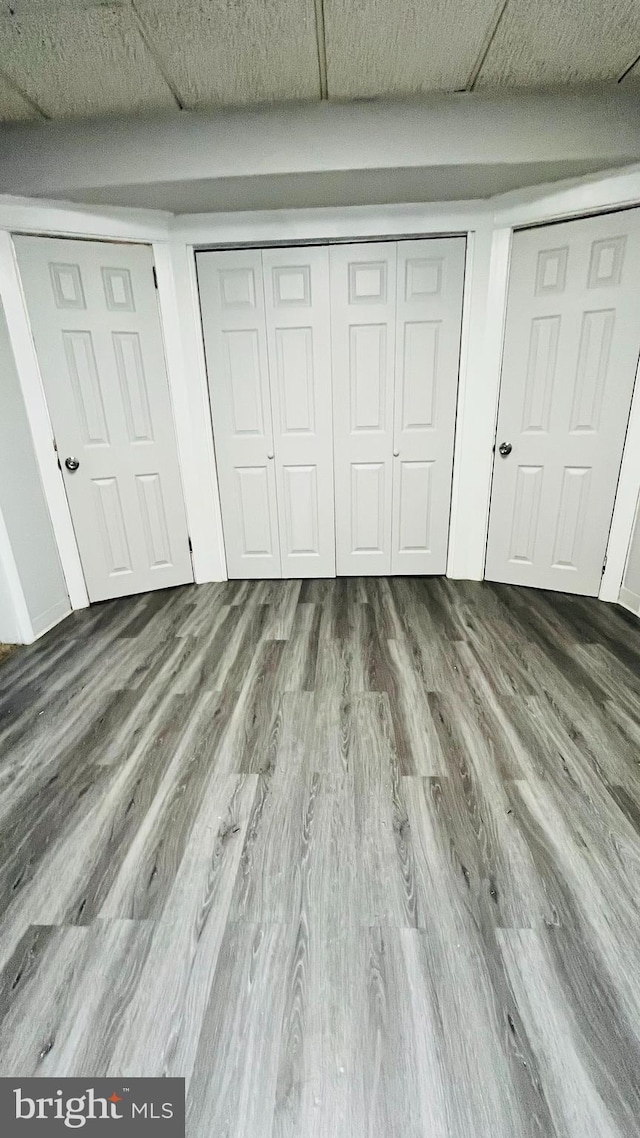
(94, 315)
(571, 350)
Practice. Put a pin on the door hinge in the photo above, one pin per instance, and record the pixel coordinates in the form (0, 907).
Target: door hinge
(604, 565)
(190, 545)
(55, 447)
(155, 277)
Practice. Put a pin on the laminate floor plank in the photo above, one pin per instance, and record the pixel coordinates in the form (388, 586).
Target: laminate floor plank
(587, 1093)
(160, 1035)
(355, 857)
(233, 1086)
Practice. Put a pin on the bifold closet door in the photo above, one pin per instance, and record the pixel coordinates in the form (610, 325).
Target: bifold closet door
(396, 311)
(235, 336)
(270, 388)
(430, 280)
(299, 348)
(363, 329)
(571, 349)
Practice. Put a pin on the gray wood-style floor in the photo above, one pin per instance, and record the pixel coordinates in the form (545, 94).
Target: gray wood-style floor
(355, 857)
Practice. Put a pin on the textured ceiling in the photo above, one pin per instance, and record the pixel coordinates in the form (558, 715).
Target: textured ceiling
(81, 58)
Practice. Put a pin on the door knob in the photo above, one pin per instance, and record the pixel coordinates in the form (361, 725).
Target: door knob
(505, 449)
(71, 463)
(270, 454)
(396, 453)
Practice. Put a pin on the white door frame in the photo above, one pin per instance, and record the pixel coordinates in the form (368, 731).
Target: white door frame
(488, 227)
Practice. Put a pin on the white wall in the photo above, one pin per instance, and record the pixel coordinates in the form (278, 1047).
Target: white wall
(26, 517)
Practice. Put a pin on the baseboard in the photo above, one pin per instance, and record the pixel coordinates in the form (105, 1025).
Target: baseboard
(46, 620)
(629, 600)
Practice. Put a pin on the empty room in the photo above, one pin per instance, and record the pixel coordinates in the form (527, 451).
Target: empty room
(320, 568)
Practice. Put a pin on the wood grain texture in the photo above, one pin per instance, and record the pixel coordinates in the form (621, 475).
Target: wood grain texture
(356, 857)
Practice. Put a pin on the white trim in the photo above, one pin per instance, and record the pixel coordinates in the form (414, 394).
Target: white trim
(615, 189)
(22, 620)
(349, 223)
(626, 501)
(630, 601)
(200, 473)
(28, 370)
(481, 362)
(46, 620)
(65, 219)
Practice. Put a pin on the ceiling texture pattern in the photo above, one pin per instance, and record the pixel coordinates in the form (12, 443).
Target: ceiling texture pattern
(81, 58)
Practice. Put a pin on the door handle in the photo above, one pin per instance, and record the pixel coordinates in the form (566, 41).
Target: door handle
(71, 463)
(270, 454)
(396, 453)
(505, 449)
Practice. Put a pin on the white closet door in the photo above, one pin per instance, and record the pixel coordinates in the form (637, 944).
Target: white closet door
(233, 319)
(571, 350)
(363, 305)
(430, 281)
(299, 345)
(94, 313)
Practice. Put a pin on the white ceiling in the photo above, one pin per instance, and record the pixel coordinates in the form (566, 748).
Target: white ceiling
(82, 58)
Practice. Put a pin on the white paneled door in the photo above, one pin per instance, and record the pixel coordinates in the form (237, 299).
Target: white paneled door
(363, 333)
(396, 311)
(266, 328)
(94, 315)
(571, 350)
(430, 277)
(333, 375)
(235, 336)
(299, 351)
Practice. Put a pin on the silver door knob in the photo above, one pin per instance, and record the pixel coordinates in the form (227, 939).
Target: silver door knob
(396, 453)
(505, 449)
(72, 463)
(270, 454)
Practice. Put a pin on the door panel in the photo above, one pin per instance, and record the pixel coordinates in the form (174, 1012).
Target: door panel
(233, 319)
(94, 315)
(296, 282)
(363, 287)
(569, 363)
(430, 280)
